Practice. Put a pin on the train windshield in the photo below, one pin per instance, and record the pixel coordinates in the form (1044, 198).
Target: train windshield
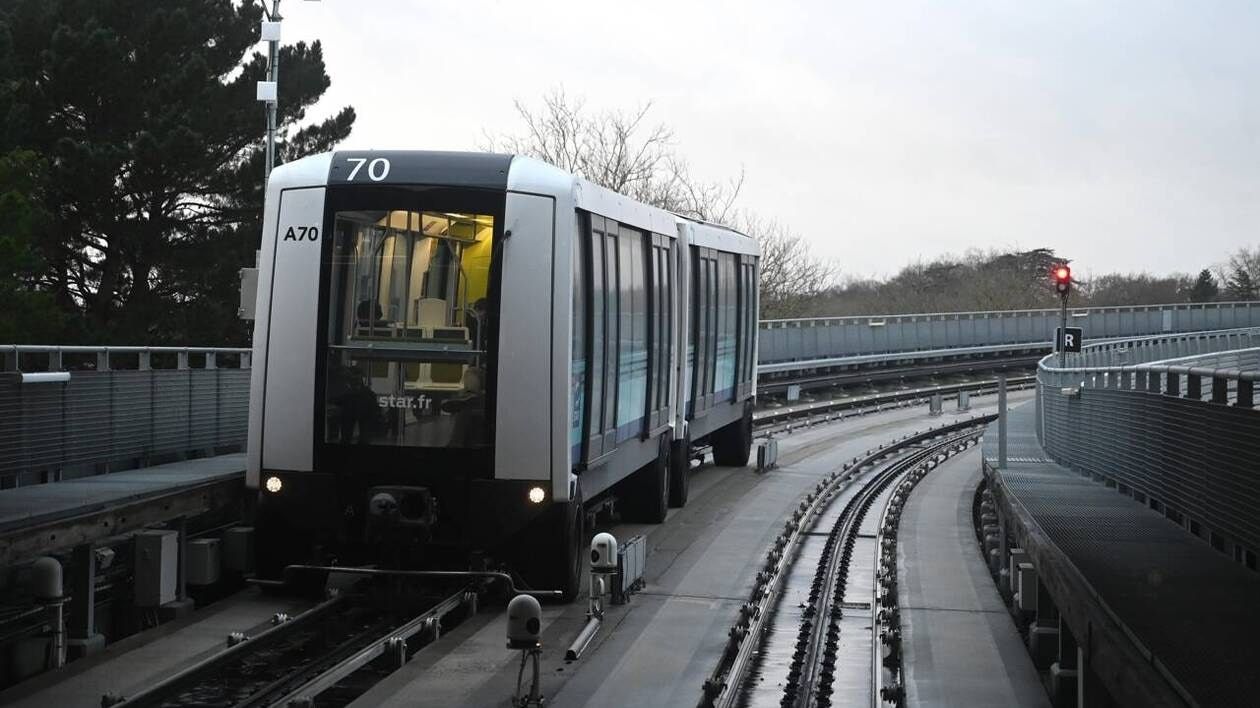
(409, 328)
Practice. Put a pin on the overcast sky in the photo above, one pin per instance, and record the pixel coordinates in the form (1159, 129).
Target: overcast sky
(1121, 134)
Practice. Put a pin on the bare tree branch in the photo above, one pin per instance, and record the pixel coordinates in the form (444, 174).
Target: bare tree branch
(621, 151)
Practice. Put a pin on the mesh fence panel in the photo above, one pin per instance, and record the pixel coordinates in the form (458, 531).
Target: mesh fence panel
(1191, 457)
(105, 420)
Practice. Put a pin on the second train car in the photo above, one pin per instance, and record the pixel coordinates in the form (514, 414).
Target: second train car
(454, 352)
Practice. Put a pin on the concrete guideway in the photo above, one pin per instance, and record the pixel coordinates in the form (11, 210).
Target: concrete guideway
(1158, 616)
(960, 646)
(45, 518)
(659, 649)
(142, 659)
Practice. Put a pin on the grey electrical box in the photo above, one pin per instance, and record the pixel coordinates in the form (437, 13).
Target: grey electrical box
(238, 549)
(249, 293)
(203, 561)
(964, 401)
(631, 559)
(157, 567)
(935, 404)
(767, 454)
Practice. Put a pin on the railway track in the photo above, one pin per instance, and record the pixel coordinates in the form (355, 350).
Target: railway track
(772, 385)
(790, 417)
(333, 652)
(844, 640)
(341, 646)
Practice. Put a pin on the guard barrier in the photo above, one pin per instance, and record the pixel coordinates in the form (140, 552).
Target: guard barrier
(826, 337)
(126, 407)
(1178, 433)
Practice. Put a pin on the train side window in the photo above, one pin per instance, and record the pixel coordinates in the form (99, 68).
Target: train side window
(719, 327)
(599, 296)
(578, 384)
(724, 372)
(659, 327)
(747, 325)
(700, 327)
(662, 327)
(653, 274)
(612, 328)
(632, 340)
(741, 323)
(625, 364)
(687, 270)
(639, 246)
(750, 320)
(710, 370)
(667, 324)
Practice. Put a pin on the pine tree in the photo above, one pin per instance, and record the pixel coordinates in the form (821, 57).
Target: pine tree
(1240, 286)
(28, 315)
(1204, 288)
(144, 114)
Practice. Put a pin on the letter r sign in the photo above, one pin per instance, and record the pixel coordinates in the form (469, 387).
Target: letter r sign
(1070, 341)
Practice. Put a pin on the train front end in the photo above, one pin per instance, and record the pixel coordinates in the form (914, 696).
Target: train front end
(402, 373)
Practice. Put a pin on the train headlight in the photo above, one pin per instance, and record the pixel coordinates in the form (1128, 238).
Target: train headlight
(273, 484)
(537, 494)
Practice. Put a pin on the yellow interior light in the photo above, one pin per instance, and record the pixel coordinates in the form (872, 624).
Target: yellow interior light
(274, 485)
(537, 494)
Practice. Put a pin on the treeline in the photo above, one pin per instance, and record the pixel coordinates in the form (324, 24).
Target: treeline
(131, 166)
(995, 280)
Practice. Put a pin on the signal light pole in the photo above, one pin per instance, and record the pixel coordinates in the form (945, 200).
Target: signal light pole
(268, 91)
(1063, 285)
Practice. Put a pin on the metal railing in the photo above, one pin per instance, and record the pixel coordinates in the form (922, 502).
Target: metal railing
(1170, 421)
(831, 337)
(75, 411)
(1219, 365)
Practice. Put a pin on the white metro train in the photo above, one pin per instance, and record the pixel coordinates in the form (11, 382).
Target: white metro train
(453, 352)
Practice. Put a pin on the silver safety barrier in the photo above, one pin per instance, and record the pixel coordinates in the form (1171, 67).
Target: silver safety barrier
(75, 411)
(818, 338)
(1170, 421)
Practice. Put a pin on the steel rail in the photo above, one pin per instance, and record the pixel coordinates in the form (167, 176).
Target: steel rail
(819, 410)
(262, 696)
(814, 687)
(172, 685)
(392, 641)
(840, 378)
(818, 626)
(721, 688)
(885, 611)
(937, 356)
(487, 575)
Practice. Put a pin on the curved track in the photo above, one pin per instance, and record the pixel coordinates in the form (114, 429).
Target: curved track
(815, 663)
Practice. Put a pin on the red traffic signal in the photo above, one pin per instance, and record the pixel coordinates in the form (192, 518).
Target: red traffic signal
(1062, 279)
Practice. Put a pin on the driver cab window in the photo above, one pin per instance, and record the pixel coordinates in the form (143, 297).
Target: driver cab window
(407, 364)
(418, 275)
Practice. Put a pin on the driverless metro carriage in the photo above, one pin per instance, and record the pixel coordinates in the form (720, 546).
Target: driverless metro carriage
(454, 351)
